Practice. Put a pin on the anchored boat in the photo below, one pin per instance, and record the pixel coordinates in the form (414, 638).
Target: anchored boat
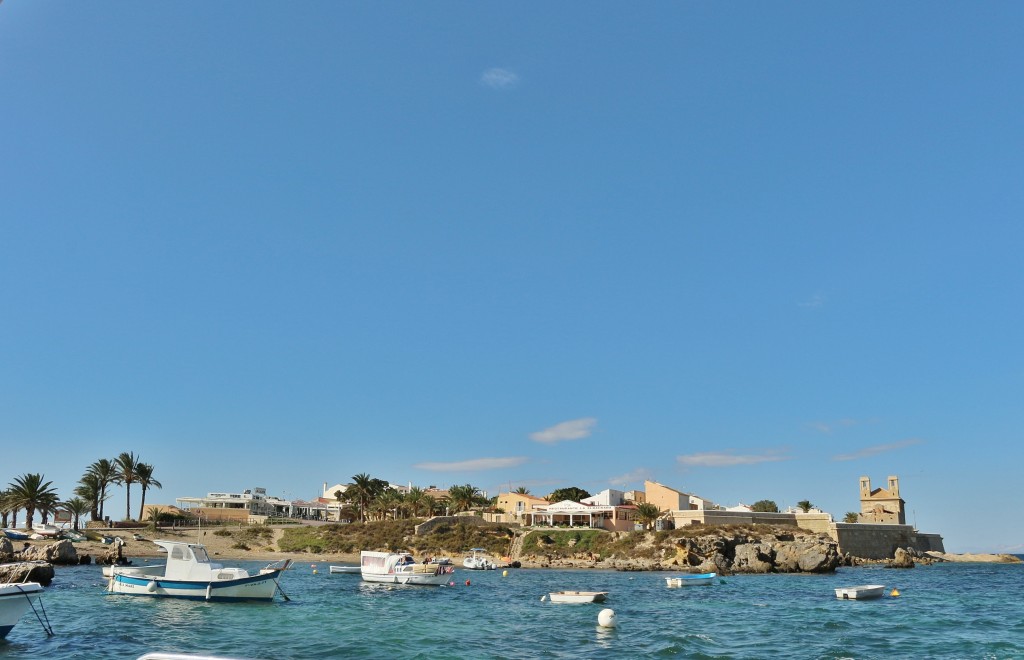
(15, 599)
(189, 573)
(690, 580)
(401, 568)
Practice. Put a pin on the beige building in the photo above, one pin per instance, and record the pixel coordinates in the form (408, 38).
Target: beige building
(882, 505)
(670, 499)
(517, 506)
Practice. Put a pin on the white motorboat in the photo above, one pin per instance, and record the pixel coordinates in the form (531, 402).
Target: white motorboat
(479, 561)
(401, 568)
(189, 573)
(691, 580)
(16, 598)
(861, 592)
(346, 569)
(578, 596)
(46, 530)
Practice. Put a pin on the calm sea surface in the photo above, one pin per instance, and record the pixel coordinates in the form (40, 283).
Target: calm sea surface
(944, 611)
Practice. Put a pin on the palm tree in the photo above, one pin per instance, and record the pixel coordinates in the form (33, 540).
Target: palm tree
(88, 489)
(77, 507)
(363, 491)
(522, 490)
(416, 499)
(6, 509)
(127, 466)
(30, 492)
(105, 473)
(464, 498)
(144, 475)
(805, 505)
(851, 517)
(48, 504)
(647, 513)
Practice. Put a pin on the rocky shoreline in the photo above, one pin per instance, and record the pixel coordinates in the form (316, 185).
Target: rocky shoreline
(723, 553)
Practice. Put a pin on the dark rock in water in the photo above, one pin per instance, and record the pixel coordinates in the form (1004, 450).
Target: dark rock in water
(27, 571)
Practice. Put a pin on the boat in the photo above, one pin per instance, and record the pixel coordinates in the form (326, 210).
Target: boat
(691, 580)
(189, 573)
(479, 561)
(401, 568)
(345, 569)
(16, 598)
(73, 536)
(46, 530)
(861, 592)
(15, 535)
(578, 596)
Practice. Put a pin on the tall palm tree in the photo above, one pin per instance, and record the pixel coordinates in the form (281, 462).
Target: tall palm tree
(363, 491)
(77, 507)
(105, 472)
(416, 499)
(144, 475)
(6, 509)
(88, 489)
(48, 503)
(30, 492)
(805, 505)
(127, 465)
(522, 490)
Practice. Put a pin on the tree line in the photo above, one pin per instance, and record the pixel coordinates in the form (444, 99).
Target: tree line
(32, 494)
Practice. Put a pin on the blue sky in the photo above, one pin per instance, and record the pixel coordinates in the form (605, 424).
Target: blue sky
(751, 251)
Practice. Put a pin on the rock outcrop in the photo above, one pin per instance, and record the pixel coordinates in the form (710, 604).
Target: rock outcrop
(6, 550)
(901, 559)
(61, 552)
(27, 571)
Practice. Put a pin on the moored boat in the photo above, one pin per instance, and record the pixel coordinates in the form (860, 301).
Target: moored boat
(578, 596)
(15, 535)
(345, 569)
(189, 573)
(16, 598)
(860, 592)
(695, 579)
(479, 561)
(401, 568)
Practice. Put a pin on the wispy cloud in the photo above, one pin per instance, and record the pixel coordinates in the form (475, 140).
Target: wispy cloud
(728, 459)
(829, 427)
(498, 78)
(877, 449)
(817, 300)
(632, 477)
(574, 429)
(473, 464)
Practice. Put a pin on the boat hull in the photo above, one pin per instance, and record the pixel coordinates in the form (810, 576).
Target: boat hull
(578, 596)
(691, 580)
(426, 579)
(861, 592)
(255, 587)
(15, 600)
(345, 569)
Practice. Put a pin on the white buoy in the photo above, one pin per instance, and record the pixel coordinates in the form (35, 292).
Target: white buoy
(606, 619)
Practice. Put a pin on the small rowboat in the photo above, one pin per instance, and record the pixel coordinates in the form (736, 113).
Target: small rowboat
(345, 569)
(861, 592)
(578, 596)
(691, 580)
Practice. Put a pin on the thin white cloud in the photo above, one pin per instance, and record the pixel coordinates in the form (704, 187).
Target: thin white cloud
(727, 459)
(632, 477)
(829, 427)
(574, 429)
(817, 300)
(877, 449)
(498, 78)
(473, 464)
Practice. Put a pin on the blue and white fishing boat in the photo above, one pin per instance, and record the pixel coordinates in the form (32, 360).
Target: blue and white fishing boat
(692, 580)
(15, 599)
(189, 573)
(15, 535)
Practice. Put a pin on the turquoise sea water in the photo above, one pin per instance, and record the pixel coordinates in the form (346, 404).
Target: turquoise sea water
(944, 611)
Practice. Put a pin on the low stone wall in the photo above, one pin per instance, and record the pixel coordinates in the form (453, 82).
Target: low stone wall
(879, 541)
(814, 522)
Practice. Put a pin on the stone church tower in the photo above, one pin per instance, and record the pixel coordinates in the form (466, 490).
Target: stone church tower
(882, 505)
